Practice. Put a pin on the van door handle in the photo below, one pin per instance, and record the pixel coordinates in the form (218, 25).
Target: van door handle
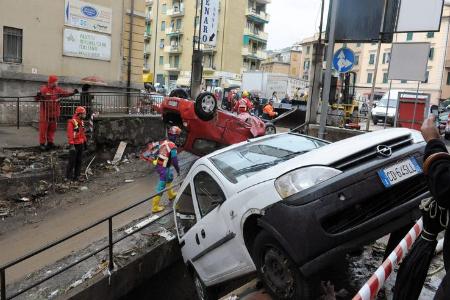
(203, 233)
(197, 239)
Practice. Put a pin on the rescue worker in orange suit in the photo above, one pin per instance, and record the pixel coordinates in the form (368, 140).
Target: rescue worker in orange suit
(268, 112)
(50, 111)
(167, 157)
(77, 141)
(244, 104)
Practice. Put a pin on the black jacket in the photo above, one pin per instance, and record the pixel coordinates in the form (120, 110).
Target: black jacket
(439, 173)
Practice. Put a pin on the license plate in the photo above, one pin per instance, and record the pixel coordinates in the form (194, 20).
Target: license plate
(173, 103)
(399, 172)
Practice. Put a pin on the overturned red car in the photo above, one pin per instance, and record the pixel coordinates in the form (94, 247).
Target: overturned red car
(205, 128)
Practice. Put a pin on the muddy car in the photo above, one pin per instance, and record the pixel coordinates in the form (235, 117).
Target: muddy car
(287, 205)
(205, 128)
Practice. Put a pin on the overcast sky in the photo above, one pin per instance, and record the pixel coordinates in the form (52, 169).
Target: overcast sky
(291, 21)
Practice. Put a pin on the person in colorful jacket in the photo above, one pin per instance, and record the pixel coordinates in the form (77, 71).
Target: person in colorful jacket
(166, 157)
(50, 110)
(77, 140)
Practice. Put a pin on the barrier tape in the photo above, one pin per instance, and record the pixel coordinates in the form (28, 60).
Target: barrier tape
(102, 107)
(376, 282)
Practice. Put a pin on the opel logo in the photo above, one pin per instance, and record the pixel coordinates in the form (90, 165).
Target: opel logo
(384, 151)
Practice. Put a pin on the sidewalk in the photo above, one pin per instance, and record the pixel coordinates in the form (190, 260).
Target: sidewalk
(26, 136)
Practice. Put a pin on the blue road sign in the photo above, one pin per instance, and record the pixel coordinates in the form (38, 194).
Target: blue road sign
(344, 60)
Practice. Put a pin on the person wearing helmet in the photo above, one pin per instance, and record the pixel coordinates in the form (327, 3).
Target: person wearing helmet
(77, 141)
(167, 157)
(244, 104)
(50, 110)
(268, 112)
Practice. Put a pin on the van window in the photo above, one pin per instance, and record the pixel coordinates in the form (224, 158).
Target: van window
(185, 212)
(209, 194)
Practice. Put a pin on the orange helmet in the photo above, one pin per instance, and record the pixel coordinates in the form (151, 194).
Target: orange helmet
(80, 110)
(174, 130)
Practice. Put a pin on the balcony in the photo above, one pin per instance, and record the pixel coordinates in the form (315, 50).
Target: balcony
(147, 35)
(171, 68)
(259, 54)
(255, 16)
(209, 69)
(447, 63)
(149, 2)
(256, 34)
(148, 17)
(175, 12)
(174, 31)
(264, 1)
(173, 49)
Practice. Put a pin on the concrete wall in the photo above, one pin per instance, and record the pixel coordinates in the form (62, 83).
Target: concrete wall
(136, 131)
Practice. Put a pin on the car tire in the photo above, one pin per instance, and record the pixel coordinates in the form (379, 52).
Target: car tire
(270, 129)
(179, 93)
(375, 121)
(447, 136)
(205, 106)
(203, 292)
(280, 275)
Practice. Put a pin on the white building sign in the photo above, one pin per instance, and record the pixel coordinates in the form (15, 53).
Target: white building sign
(88, 16)
(210, 20)
(85, 44)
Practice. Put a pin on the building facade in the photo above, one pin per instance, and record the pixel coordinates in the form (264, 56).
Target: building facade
(172, 26)
(286, 61)
(437, 82)
(72, 39)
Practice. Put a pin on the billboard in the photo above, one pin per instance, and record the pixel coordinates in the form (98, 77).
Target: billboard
(209, 22)
(409, 61)
(88, 16)
(420, 15)
(79, 43)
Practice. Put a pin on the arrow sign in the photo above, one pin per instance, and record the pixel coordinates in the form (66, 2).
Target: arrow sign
(209, 22)
(344, 60)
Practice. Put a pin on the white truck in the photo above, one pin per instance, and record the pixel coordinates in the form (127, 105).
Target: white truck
(267, 83)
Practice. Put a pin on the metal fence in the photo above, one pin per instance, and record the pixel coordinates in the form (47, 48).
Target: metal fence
(109, 247)
(29, 109)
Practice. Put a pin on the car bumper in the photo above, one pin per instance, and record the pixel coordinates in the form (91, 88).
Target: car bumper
(346, 212)
(380, 118)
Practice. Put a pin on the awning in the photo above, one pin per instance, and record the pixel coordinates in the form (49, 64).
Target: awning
(184, 81)
(227, 83)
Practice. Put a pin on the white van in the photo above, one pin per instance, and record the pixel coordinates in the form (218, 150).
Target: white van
(388, 104)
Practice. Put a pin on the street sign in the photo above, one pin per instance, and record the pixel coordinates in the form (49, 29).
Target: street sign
(344, 60)
(210, 20)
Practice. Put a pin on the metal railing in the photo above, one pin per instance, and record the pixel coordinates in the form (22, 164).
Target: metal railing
(109, 246)
(26, 109)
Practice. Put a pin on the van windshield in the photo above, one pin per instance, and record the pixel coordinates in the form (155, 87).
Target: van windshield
(247, 160)
(384, 103)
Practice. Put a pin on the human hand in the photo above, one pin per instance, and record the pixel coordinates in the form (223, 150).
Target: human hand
(429, 129)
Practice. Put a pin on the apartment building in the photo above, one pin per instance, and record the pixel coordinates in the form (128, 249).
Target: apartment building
(286, 61)
(172, 26)
(72, 39)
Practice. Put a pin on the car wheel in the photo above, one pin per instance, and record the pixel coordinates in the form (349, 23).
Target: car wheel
(270, 129)
(206, 106)
(447, 136)
(203, 292)
(179, 93)
(281, 276)
(375, 121)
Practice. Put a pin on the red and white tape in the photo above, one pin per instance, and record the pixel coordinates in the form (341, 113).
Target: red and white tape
(376, 282)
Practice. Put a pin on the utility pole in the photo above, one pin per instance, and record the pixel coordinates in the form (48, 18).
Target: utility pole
(197, 55)
(327, 85)
(130, 45)
(156, 41)
(317, 65)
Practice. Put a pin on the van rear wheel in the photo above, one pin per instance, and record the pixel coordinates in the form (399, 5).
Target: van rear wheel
(203, 292)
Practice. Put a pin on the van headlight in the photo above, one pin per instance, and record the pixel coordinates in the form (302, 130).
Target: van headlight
(302, 179)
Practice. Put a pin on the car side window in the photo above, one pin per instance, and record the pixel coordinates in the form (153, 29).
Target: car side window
(185, 212)
(209, 194)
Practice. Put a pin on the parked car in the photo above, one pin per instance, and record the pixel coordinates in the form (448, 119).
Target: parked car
(286, 205)
(444, 125)
(205, 127)
(380, 109)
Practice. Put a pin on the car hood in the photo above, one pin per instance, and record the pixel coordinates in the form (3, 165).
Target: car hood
(327, 155)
